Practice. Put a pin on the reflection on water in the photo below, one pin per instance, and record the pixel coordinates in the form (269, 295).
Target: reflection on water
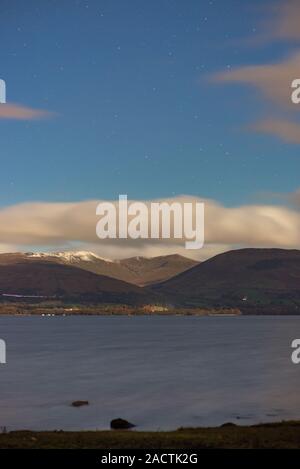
(159, 372)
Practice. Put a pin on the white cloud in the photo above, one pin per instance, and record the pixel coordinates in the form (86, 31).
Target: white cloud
(65, 225)
(287, 130)
(284, 21)
(273, 80)
(18, 112)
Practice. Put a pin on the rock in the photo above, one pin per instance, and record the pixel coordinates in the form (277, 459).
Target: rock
(79, 403)
(121, 424)
(228, 424)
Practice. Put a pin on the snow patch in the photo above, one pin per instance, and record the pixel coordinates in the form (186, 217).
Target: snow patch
(69, 256)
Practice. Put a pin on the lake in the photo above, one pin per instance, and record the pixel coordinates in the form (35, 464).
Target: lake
(157, 372)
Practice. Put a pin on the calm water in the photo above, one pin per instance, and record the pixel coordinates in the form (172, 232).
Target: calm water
(159, 372)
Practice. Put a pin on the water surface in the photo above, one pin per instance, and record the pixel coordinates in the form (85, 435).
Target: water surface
(157, 372)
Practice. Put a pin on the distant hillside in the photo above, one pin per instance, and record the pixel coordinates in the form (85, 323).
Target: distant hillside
(51, 280)
(266, 280)
(137, 270)
(145, 271)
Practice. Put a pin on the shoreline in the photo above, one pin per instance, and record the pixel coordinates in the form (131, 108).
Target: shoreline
(142, 314)
(285, 434)
(61, 309)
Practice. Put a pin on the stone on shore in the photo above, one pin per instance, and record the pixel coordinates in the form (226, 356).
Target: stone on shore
(121, 424)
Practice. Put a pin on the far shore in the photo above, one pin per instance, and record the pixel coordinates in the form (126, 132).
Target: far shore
(56, 307)
(61, 309)
(268, 435)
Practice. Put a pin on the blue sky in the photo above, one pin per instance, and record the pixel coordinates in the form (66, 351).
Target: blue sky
(135, 109)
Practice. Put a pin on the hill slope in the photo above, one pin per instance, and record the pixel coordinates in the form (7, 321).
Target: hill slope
(252, 279)
(137, 270)
(48, 279)
(146, 271)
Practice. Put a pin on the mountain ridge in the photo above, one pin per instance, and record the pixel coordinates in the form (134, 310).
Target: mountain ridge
(48, 280)
(247, 278)
(138, 270)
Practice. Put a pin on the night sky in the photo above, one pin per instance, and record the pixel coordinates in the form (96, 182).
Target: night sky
(130, 97)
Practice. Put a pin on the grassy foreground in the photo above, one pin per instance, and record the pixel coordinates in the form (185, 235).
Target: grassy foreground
(272, 435)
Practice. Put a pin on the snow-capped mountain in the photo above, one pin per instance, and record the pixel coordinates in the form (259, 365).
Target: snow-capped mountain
(69, 256)
(137, 270)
